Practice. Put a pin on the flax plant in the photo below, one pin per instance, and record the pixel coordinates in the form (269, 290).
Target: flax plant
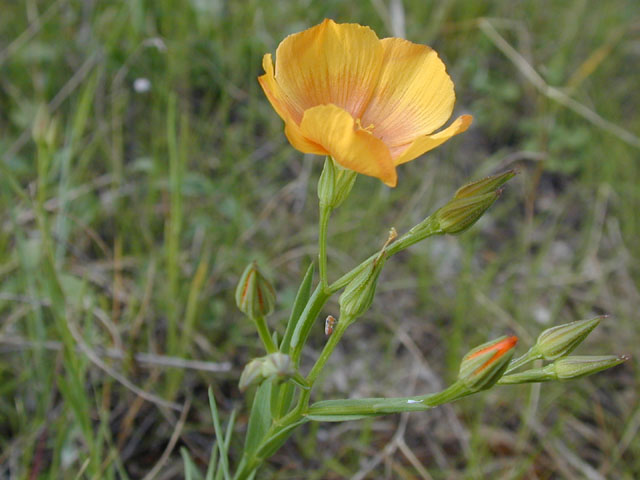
(368, 105)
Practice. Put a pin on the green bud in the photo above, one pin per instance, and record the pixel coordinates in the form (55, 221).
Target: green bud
(470, 202)
(255, 297)
(278, 366)
(533, 375)
(359, 292)
(335, 184)
(484, 186)
(358, 295)
(483, 366)
(252, 374)
(559, 341)
(568, 368)
(461, 213)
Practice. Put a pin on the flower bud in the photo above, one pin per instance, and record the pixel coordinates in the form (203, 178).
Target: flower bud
(335, 184)
(486, 185)
(358, 294)
(568, 368)
(461, 213)
(483, 366)
(274, 366)
(255, 297)
(252, 374)
(534, 375)
(559, 341)
(470, 202)
(278, 365)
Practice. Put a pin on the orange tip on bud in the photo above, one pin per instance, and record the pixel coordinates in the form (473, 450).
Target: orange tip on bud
(483, 366)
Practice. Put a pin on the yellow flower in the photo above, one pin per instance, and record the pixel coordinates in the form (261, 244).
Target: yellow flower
(371, 104)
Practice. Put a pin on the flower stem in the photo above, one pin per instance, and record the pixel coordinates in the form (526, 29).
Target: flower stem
(425, 229)
(333, 410)
(530, 356)
(325, 213)
(335, 337)
(265, 336)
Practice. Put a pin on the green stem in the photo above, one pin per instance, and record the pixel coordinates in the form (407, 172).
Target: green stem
(283, 426)
(265, 336)
(325, 213)
(425, 229)
(335, 337)
(299, 412)
(530, 356)
(332, 410)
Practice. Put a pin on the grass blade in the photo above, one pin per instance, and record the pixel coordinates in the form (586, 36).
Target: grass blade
(224, 460)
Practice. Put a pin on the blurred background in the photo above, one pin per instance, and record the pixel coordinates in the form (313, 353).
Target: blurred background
(142, 168)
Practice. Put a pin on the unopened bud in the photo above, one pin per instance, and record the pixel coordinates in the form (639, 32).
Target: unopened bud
(483, 366)
(470, 202)
(486, 185)
(534, 375)
(358, 295)
(461, 213)
(252, 374)
(568, 368)
(278, 366)
(559, 341)
(255, 297)
(335, 184)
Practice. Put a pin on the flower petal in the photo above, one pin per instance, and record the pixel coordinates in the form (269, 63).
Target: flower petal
(335, 130)
(279, 101)
(414, 95)
(300, 142)
(329, 63)
(287, 111)
(421, 145)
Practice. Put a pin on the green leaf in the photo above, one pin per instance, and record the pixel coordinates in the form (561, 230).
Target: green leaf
(191, 472)
(213, 461)
(227, 442)
(259, 419)
(224, 459)
(274, 442)
(302, 298)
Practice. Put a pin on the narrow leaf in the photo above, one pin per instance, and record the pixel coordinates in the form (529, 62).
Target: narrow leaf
(213, 462)
(302, 298)
(191, 472)
(274, 442)
(259, 419)
(224, 461)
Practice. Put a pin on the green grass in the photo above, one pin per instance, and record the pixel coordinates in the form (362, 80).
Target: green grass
(129, 229)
